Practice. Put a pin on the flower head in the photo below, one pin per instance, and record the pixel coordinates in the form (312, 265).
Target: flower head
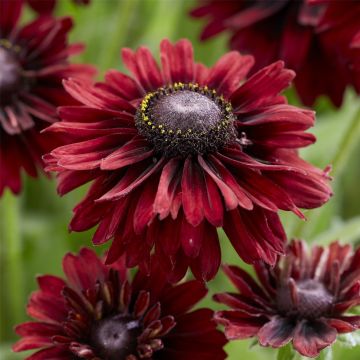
(33, 62)
(305, 298)
(98, 313)
(177, 151)
(313, 37)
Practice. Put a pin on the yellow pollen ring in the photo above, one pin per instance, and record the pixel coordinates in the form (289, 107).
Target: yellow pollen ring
(147, 101)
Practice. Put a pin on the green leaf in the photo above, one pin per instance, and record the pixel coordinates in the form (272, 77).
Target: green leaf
(286, 353)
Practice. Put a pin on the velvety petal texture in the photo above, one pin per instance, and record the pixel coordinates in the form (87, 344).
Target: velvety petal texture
(33, 62)
(306, 298)
(313, 37)
(165, 176)
(98, 312)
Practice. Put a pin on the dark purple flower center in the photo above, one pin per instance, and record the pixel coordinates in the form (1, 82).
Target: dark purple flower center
(115, 338)
(306, 299)
(10, 73)
(186, 119)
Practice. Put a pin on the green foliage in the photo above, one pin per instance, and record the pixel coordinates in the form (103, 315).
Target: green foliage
(286, 353)
(34, 234)
(326, 354)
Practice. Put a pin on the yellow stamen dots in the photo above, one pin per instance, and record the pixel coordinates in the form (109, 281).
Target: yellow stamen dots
(5, 43)
(185, 118)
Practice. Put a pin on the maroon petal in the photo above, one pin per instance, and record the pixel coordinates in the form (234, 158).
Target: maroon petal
(229, 196)
(110, 222)
(228, 72)
(38, 328)
(177, 61)
(207, 264)
(51, 284)
(201, 74)
(67, 181)
(131, 180)
(244, 282)
(185, 57)
(344, 325)
(9, 15)
(266, 83)
(58, 353)
(276, 333)
(144, 67)
(123, 85)
(312, 336)
(226, 181)
(213, 206)
(254, 14)
(266, 193)
(90, 96)
(183, 297)
(87, 114)
(191, 238)
(170, 178)
(31, 342)
(249, 233)
(342, 306)
(132, 152)
(170, 239)
(240, 303)
(47, 307)
(144, 211)
(239, 325)
(77, 269)
(296, 43)
(192, 185)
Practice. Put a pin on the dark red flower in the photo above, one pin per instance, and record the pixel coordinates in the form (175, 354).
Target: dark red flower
(97, 313)
(46, 7)
(33, 62)
(306, 298)
(313, 37)
(176, 152)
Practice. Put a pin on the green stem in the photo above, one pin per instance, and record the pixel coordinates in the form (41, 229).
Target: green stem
(339, 163)
(12, 306)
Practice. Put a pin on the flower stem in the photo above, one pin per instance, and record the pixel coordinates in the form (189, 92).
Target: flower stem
(11, 280)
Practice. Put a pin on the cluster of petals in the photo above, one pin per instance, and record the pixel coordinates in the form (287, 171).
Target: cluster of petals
(313, 37)
(34, 61)
(306, 298)
(97, 312)
(147, 201)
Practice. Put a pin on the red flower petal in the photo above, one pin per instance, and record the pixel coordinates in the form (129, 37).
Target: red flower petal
(276, 333)
(312, 336)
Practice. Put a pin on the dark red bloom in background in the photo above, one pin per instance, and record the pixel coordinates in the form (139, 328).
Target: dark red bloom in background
(177, 151)
(306, 298)
(33, 62)
(97, 313)
(46, 7)
(313, 37)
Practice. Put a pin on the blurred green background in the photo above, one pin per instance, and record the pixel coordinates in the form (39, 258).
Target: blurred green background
(33, 226)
